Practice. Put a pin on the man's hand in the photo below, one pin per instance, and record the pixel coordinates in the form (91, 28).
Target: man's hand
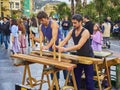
(45, 48)
(61, 49)
(31, 36)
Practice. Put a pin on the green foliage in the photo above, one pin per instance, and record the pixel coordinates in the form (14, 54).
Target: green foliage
(62, 10)
(100, 9)
(52, 13)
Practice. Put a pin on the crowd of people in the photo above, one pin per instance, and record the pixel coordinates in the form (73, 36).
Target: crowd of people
(87, 37)
(15, 32)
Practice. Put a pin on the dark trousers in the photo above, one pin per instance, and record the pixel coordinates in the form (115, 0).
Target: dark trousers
(88, 70)
(6, 40)
(58, 74)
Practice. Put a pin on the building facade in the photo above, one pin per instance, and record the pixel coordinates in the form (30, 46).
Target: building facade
(10, 8)
(16, 8)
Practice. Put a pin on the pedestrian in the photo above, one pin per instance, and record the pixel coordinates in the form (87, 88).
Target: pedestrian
(27, 28)
(49, 29)
(81, 39)
(97, 38)
(34, 29)
(106, 33)
(65, 26)
(22, 36)
(6, 31)
(1, 31)
(88, 24)
(14, 32)
(111, 23)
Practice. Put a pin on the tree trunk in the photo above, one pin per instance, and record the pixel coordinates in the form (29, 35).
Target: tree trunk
(84, 3)
(77, 2)
(72, 7)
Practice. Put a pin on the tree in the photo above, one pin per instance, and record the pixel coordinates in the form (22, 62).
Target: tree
(62, 10)
(78, 6)
(90, 10)
(115, 2)
(72, 7)
(100, 7)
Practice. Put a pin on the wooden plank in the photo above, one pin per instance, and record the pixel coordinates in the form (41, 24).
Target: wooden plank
(49, 57)
(112, 62)
(61, 65)
(74, 58)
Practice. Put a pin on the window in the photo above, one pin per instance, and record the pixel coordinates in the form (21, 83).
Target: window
(16, 5)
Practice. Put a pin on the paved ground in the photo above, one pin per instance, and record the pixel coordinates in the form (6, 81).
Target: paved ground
(10, 74)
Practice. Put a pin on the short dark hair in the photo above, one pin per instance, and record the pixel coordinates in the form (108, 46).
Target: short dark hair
(6, 18)
(105, 20)
(86, 16)
(42, 14)
(14, 22)
(77, 17)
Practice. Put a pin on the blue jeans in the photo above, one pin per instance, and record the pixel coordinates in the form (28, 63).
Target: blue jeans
(88, 70)
(65, 32)
(6, 40)
(1, 38)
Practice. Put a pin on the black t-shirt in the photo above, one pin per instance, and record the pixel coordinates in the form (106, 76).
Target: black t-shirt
(66, 25)
(89, 25)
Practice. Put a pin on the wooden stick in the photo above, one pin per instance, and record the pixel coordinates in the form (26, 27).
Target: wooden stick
(59, 55)
(54, 51)
(40, 45)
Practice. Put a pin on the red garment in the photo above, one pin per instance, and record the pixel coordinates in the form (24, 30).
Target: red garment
(22, 40)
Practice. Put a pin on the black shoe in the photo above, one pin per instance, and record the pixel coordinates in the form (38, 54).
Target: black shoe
(70, 83)
(108, 46)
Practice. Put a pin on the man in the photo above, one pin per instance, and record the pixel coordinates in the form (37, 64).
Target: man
(1, 32)
(106, 33)
(111, 23)
(65, 26)
(50, 30)
(88, 24)
(81, 38)
(6, 31)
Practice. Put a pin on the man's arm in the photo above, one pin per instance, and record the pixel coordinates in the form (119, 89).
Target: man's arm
(85, 36)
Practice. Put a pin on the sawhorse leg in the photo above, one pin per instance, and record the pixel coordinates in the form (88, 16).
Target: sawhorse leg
(108, 75)
(29, 75)
(55, 81)
(98, 77)
(42, 77)
(73, 78)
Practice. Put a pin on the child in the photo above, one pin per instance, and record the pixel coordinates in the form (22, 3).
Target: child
(97, 38)
(22, 37)
(15, 41)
